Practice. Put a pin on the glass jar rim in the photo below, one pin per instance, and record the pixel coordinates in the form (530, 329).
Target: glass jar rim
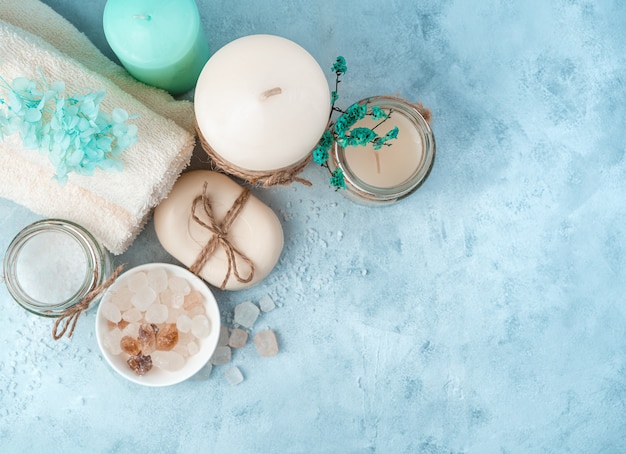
(93, 267)
(392, 194)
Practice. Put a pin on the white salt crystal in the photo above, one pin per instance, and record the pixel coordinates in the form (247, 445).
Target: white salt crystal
(192, 348)
(137, 281)
(179, 285)
(221, 356)
(178, 300)
(183, 323)
(200, 326)
(132, 315)
(246, 314)
(111, 341)
(157, 279)
(198, 310)
(121, 298)
(267, 303)
(156, 313)
(233, 375)
(143, 298)
(173, 314)
(132, 330)
(110, 312)
(167, 360)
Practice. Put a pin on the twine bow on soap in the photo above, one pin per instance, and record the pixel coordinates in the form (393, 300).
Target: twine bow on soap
(220, 236)
(69, 317)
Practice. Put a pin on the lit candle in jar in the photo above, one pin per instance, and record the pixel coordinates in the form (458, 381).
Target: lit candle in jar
(262, 103)
(394, 171)
(159, 42)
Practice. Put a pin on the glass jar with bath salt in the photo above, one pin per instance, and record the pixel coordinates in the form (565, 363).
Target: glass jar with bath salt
(386, 175)
(52, 264)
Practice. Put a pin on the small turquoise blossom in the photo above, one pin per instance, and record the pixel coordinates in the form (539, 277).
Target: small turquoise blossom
(72, 130)
(343, 132)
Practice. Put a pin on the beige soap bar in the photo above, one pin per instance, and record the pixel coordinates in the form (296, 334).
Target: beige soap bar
(256, 231)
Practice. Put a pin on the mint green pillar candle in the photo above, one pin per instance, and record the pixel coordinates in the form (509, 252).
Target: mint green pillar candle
(159, 42)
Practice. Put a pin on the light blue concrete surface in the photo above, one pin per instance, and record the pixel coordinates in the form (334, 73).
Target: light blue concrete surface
(484, 314)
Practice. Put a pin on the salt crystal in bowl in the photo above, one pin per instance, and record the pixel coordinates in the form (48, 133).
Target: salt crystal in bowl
(165, 296)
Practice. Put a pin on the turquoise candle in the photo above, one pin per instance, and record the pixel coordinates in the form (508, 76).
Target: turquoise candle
(159, 42)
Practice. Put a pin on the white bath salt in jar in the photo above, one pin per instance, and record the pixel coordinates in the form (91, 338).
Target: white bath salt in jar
(52, 264)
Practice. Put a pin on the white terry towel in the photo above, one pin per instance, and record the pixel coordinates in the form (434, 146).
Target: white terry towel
(113, 206)
(41, 20)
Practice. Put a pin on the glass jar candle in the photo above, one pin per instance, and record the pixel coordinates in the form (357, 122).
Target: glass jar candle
(393, 172)
(51, 265)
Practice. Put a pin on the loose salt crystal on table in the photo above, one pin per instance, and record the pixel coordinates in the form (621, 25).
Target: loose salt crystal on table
(179, 285)
(234, 376)
(265, 342)
(156, 313)
(238, 338)
(183, 323)
(137, 281)
(221, 356)
(200, 326)
(111, 312)
(246, 314)
(143, 298)
(267, 303)
(157, 279)
(132, 315)
(224, 335)
(167, 360)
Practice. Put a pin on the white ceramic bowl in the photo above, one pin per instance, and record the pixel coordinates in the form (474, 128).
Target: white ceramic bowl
(157, 376)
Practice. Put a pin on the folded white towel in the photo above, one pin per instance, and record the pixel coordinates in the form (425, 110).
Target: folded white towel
(113, 206)
(41, 20)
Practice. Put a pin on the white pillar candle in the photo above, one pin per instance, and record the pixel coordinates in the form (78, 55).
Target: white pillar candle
(256, 231)
(262, 103)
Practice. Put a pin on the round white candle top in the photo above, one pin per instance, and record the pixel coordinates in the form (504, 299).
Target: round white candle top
(262, 102)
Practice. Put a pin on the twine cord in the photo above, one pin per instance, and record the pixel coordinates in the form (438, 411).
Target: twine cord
(69, 317)
(220, 236)
(284, 176)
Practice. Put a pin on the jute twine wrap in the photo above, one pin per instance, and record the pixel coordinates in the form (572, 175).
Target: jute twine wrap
(284, 176)
(220, 235)
(69, 317)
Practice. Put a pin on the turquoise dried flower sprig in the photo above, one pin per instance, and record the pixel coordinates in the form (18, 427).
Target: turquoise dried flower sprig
(343, 132)
(75, 133)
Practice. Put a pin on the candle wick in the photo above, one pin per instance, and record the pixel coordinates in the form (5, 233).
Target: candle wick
(267, 93)
(142, 16)
(377, 162)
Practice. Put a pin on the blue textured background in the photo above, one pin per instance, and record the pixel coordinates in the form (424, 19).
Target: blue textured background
(483, 314)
